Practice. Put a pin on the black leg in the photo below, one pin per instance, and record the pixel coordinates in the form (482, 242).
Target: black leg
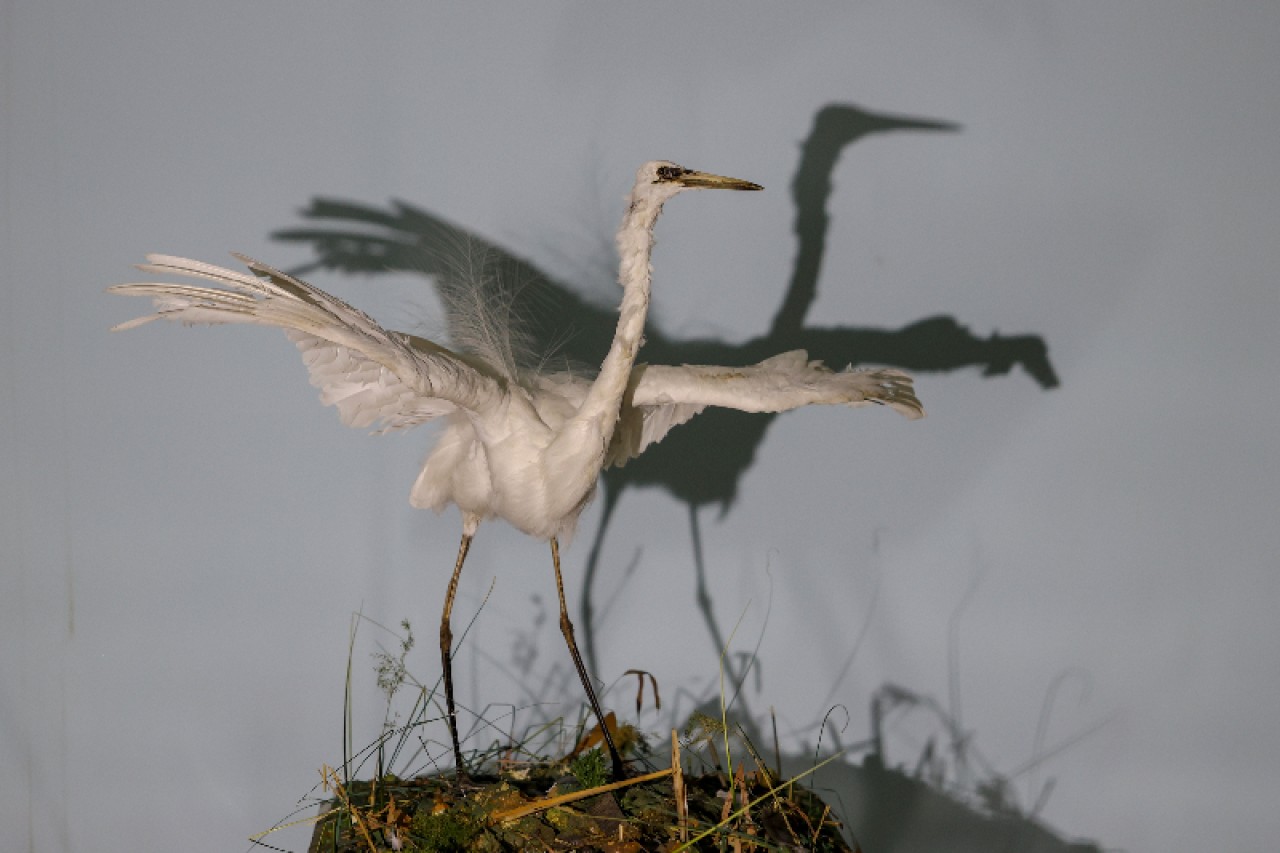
(446, 657)
(566, 628)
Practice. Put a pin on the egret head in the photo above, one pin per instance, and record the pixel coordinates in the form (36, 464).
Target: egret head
(659, 180)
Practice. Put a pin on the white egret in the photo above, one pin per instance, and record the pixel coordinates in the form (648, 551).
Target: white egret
(524, 446)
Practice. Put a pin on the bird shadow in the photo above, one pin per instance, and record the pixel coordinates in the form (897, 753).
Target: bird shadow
(703, 462)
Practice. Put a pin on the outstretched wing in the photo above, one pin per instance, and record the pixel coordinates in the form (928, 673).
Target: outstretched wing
(662, 397)
(372, 375)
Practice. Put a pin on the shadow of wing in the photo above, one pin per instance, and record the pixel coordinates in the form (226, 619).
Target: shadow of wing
(357, 238)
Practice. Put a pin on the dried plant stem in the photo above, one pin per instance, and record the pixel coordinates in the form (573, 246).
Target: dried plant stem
(677, 788)
(574, 796)
(331, 781)
(771, 792)
(817, 830)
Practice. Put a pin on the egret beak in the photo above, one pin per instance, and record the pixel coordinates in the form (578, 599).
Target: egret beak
(708, 181)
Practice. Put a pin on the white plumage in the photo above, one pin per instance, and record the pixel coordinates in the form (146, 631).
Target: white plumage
(524, 446)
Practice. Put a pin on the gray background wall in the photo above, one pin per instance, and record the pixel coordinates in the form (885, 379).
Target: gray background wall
(186, 532)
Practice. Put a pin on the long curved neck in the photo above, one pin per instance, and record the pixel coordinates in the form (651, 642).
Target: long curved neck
(635, 246)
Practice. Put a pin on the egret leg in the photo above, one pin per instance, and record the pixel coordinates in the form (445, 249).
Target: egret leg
(566, 628)
(446, 656)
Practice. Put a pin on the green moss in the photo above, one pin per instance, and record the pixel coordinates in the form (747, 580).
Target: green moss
(446, 832)
(590, 769)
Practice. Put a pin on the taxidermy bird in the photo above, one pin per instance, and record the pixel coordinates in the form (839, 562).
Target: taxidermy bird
(523, 445)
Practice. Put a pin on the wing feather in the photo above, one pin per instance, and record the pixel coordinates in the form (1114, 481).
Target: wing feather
(662, 397)
(371, 375)
(777, 384)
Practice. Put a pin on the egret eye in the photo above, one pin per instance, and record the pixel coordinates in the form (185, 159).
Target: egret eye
(669, 173)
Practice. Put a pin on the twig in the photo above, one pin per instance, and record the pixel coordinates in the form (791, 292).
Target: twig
(573, 796)
(677, 788)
